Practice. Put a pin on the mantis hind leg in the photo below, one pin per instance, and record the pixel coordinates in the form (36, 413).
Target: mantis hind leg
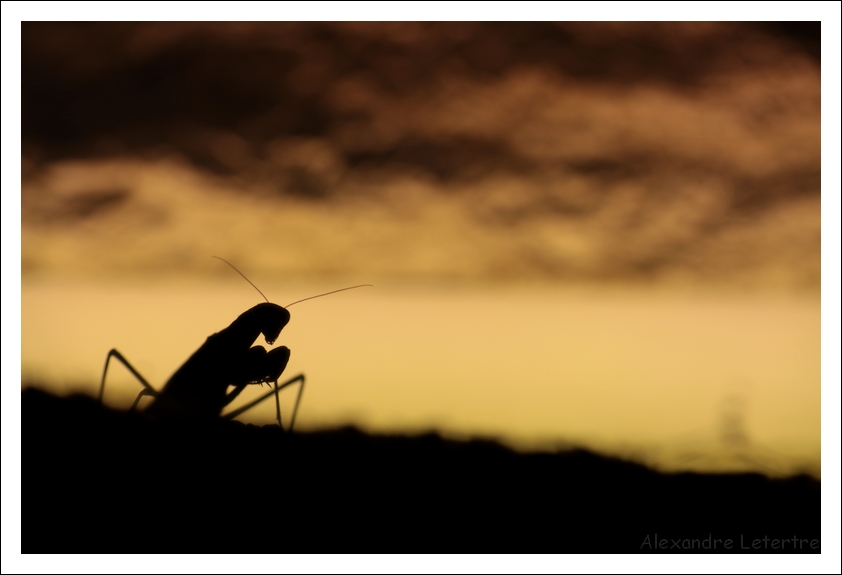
(147, 388)
(297, 379)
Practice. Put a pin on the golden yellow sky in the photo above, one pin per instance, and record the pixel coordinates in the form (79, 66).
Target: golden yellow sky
(645, 372)
(604, 234)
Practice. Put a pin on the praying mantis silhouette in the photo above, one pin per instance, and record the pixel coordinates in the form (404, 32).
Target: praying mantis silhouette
(198, 390)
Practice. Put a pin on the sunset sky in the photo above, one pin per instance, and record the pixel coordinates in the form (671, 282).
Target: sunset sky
(600, 234)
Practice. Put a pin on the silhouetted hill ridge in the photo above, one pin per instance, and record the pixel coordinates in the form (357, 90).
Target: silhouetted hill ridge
(99, 480)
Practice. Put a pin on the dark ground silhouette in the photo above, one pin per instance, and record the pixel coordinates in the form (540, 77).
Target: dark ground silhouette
(99, 480)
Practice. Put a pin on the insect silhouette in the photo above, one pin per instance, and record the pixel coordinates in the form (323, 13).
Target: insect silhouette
(198, 390)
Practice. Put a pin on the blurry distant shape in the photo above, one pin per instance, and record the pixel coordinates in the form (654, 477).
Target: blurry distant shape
(733, 432)
(735, 452)
(681, 152)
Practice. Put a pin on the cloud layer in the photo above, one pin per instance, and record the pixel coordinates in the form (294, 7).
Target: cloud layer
(482, 152)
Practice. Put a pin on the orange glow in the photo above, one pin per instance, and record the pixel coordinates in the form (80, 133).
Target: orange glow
(603, 234)
(634, 372)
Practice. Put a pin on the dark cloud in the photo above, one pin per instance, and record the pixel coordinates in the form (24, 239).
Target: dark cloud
(92, 89)
(655, 147)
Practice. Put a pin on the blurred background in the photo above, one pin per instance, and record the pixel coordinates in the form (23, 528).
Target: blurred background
(594, 234)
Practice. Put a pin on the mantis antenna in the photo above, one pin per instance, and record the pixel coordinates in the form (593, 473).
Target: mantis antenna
(328, 293)
(297, 301)
(244, 276)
